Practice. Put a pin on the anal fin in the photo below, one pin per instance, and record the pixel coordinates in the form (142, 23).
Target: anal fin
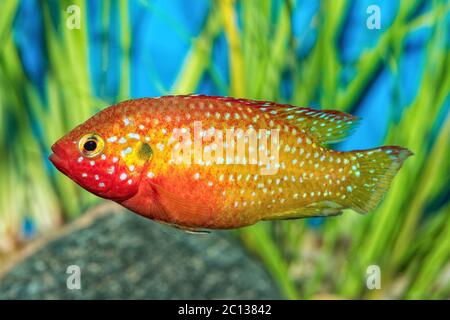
(316, 209)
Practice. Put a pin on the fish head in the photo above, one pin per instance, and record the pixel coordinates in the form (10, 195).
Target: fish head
(104, 156)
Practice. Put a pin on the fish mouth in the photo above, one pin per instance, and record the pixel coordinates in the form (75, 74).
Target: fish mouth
(58, 159)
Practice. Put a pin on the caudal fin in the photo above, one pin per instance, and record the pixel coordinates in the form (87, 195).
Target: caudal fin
(371, 176)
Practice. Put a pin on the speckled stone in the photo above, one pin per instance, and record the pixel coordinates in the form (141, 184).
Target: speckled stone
(123, 256)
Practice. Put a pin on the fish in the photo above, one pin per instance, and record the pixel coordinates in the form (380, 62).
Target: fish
(199, 162)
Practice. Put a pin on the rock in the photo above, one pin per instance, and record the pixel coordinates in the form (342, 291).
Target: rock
(124, 256)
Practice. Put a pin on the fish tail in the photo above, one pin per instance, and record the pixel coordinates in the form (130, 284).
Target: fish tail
(372, 175)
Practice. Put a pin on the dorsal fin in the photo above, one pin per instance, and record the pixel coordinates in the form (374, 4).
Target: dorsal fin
(327, 126)
(324, 126)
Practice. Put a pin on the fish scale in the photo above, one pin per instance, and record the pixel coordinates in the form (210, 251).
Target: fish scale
(224, 191)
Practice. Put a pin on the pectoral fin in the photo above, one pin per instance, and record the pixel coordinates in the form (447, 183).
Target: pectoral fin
(181, 212)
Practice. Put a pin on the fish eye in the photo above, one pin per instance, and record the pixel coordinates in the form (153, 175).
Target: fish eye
(91, 145)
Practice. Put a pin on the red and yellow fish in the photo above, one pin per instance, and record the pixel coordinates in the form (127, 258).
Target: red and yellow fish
(199, 162)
